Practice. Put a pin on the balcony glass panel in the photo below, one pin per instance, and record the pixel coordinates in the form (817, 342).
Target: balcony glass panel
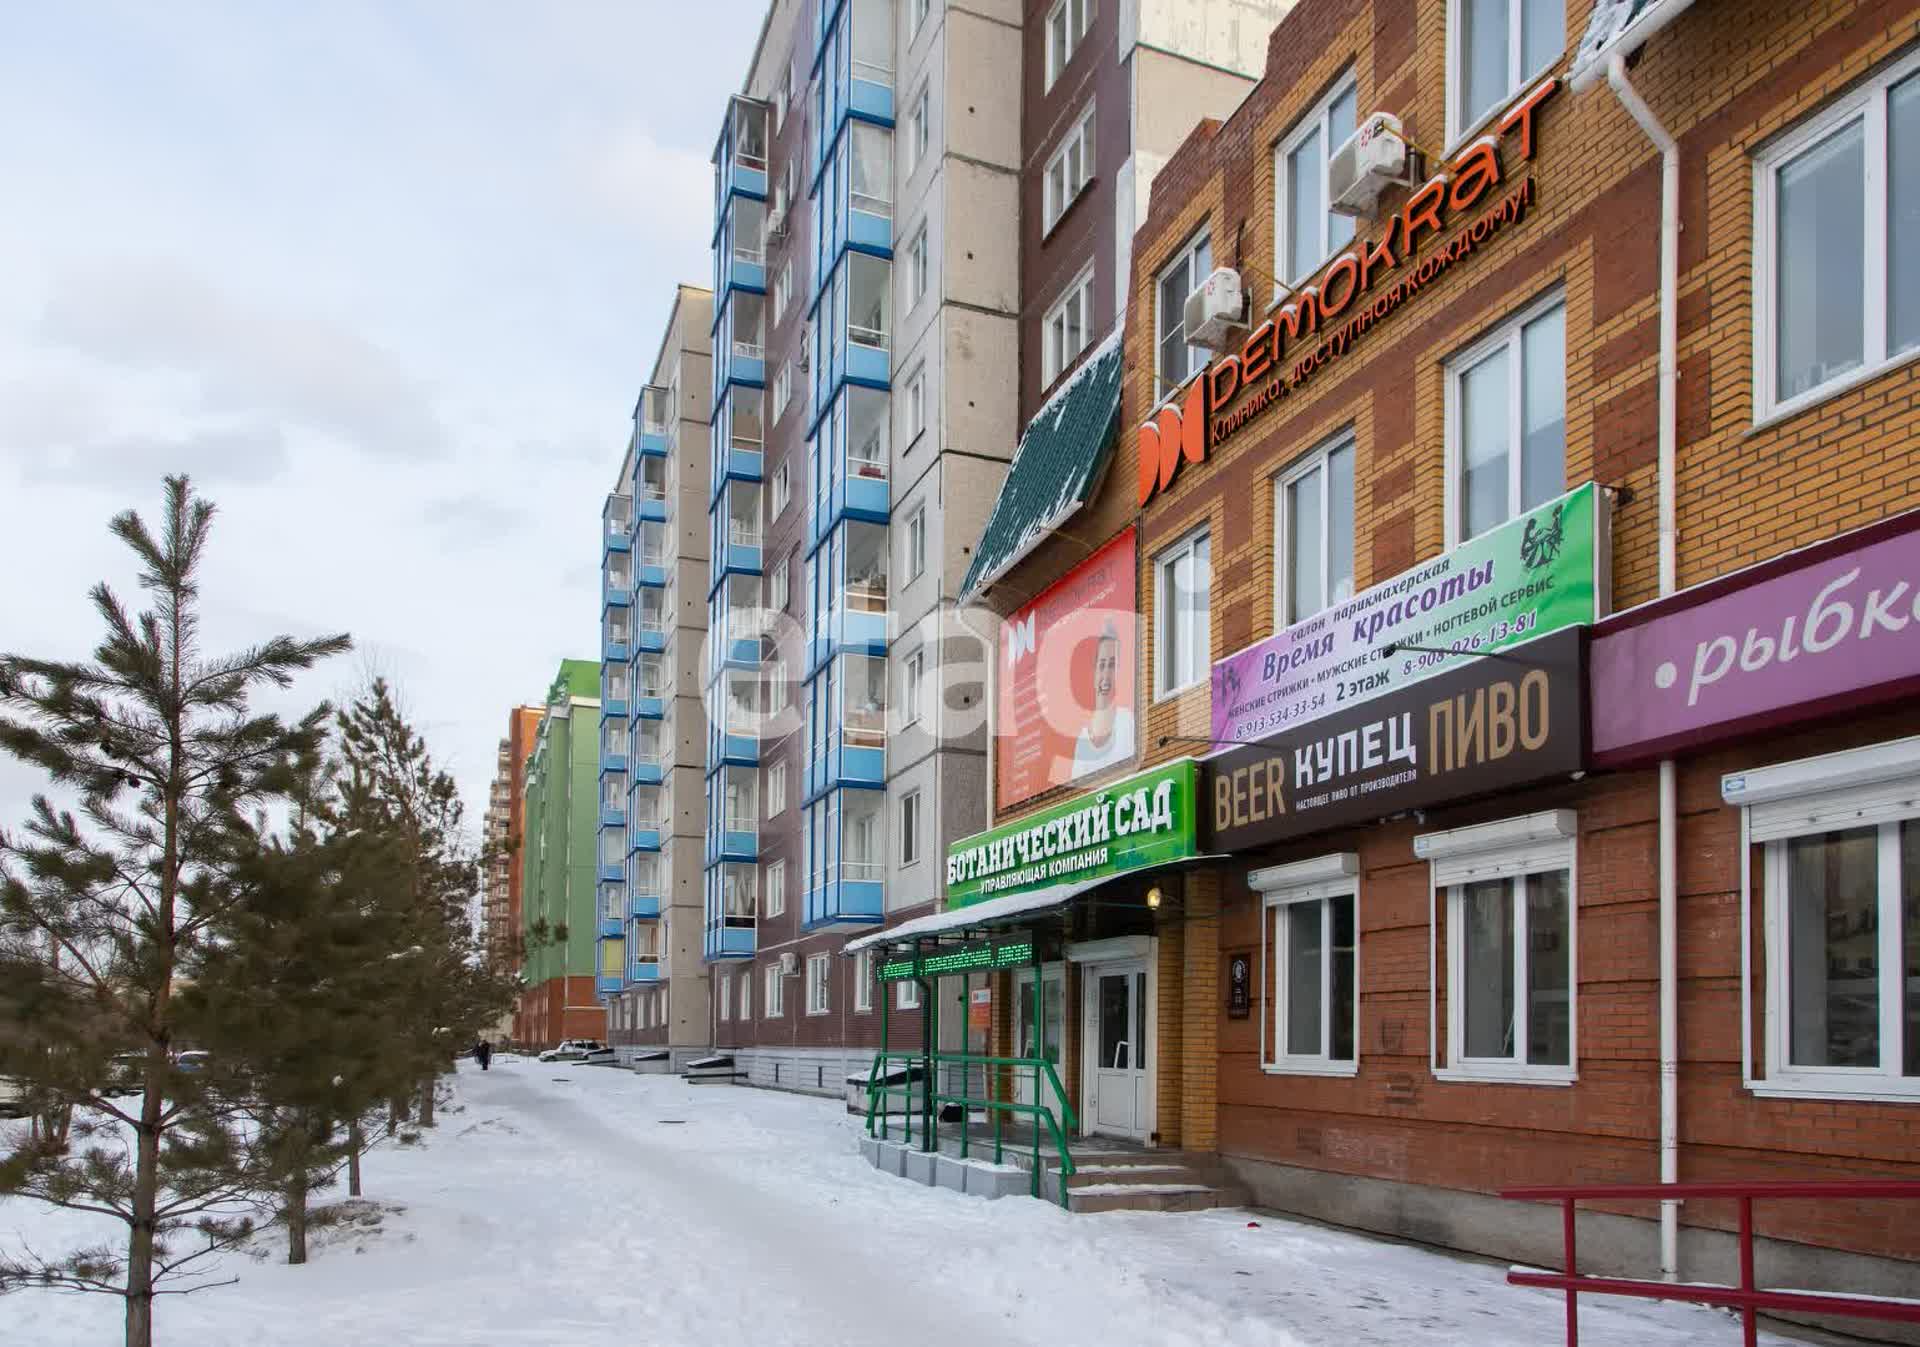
(653, 410)
(613, 848)
(613, 902)
(643, 942)
(650, 552)
(618, 515)
(846, 858)
(650, 618)
(650, 487)
(740, 161)
(738, 815)
(649, 686)
(739, 894)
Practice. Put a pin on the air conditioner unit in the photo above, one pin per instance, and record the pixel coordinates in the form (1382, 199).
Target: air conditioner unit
(1372, 159)
(1216, 311)
(789, 963)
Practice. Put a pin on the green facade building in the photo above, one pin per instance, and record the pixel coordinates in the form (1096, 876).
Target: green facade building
(560, 862)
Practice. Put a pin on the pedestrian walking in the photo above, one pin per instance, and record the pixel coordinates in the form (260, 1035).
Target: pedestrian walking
(483, 1053)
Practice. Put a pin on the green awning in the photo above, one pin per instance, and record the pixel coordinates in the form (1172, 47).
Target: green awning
(1055, 468)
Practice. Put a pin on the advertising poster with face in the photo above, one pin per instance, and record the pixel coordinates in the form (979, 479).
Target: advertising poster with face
(1067, 677)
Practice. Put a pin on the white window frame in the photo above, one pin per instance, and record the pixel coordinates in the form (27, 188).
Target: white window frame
(919, 129)
(779, 586)
(916, 403)
(1867, 104)
(775, 995)
(746, 994)
(782, 391)
(1059, 55)
(782, 491)
(1281, 887)
(917, 11)
(1053, 364)
(917, 543)
(819, 985)
(1505, 336)
(913, 679)
(773, 890)
(1185, 254)
(782, 292)
(724, 1003)
(1518, 80)
(775, 791)
(863, 982)
(918, 268)
(1510, 848)
(1876, 786)
(910, 813)
(1319, 119)
(906, 994)
(1316, 461)
(1163, 614)
(1054, 203)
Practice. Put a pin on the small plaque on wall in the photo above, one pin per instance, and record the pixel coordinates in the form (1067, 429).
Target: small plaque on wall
(1239, 986)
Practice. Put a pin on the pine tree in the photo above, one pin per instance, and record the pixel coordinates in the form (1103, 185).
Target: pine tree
(103, 908)
(442, 994)
(288, 993)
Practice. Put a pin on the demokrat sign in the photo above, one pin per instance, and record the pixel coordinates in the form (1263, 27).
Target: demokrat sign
(1364, 285)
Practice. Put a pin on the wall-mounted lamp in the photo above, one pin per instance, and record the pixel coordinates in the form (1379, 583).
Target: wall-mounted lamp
(1153, 898)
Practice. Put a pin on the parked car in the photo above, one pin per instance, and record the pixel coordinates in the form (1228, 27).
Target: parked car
(193, 1059)
(601, 1057)
(572, 1050)
(13, 1099)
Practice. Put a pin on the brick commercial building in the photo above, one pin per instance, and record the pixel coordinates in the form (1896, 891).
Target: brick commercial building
(502, 895)
(1396, 533)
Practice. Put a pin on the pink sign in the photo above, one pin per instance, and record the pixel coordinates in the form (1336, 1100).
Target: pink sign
(1825, 629)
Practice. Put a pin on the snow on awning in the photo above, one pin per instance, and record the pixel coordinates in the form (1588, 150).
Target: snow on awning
(1616, 27)
(1055, 467)
(994, 912)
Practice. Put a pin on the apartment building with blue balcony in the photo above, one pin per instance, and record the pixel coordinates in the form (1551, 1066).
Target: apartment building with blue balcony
(652, 741)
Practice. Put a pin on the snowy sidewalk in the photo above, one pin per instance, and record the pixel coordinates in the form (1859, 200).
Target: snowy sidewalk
(582, 1206)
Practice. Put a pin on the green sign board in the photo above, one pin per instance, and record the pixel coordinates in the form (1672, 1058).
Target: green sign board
(1540, 572)
(1143, 821)
(982, 956)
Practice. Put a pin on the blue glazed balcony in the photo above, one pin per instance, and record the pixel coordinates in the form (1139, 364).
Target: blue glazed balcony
(739, 345)
(616, 631)
(612, 871)
(607, 986)
(616, 579)
(734, 623)
(845, 905)
(612, 928)
(650, 557)
(646, 819)
(652, 422)
(613, 692)
(644, 905)
(732, 900)
(644, 972)
(729, 942)
(853, 63)
(737, 534)
(617, 519)
(613, 749)
(853, 205)
(612, 815)
(646, 884)
(862, 762)
(734, 720)
(650, 622)
(740, 154)
(733, 816)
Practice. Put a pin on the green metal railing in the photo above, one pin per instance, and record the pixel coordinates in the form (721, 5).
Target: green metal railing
(995, 1071)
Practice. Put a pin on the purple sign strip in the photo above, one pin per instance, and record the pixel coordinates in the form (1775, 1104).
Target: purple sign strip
(1836, 627)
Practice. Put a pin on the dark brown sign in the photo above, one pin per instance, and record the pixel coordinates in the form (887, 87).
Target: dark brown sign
(1239, 986)
(1500, 722)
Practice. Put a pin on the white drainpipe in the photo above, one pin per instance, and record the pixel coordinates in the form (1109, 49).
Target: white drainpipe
(1669, 792)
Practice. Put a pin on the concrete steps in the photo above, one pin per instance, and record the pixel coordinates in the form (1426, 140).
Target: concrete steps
(1106, 1176)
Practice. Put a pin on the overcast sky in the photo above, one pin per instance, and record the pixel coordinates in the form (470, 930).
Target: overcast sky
(385, 277)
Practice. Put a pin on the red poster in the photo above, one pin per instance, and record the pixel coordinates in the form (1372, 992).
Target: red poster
(1067, 677)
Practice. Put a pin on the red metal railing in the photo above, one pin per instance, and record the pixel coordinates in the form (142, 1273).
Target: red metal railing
(1746, 1297)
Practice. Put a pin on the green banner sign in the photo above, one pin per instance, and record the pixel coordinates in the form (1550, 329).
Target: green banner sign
(1535, 574)
(1143, 821)
(981, 956)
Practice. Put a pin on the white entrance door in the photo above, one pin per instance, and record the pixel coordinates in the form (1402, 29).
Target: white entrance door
(1053, 1012)
(1116, 1036)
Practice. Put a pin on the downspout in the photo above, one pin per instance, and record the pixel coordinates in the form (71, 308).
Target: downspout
(1669, 790)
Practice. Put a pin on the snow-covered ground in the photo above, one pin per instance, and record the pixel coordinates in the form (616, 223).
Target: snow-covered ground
(581, 1206)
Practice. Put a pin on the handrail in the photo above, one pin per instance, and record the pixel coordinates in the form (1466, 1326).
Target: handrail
(1746, 1297)
(878, 1089)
